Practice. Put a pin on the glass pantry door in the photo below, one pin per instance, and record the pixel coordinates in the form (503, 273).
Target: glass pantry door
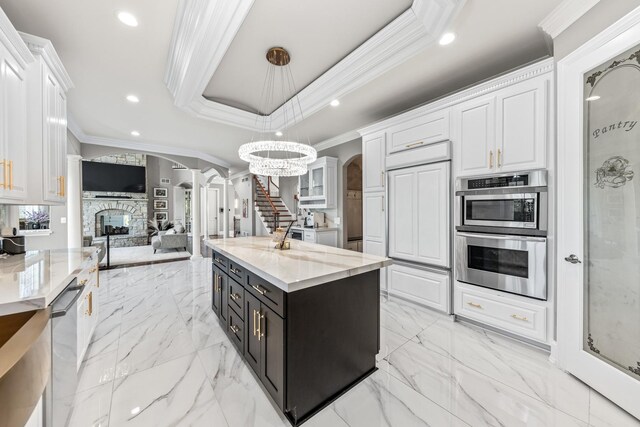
(599, 227)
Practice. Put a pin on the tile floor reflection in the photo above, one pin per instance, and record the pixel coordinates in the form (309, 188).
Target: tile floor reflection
(159, 357)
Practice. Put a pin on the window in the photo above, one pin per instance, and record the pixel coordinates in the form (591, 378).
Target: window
(34, 218)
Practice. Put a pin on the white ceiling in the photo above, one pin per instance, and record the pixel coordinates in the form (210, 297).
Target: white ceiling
(316, 34)
(107, 61)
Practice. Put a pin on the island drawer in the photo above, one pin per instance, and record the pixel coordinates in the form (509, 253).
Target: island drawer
(220, 261)
(236, 297)
(237, 272)
(267, 293)
(235, 330)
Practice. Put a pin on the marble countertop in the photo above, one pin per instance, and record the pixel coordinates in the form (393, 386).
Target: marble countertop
(32, 280)
(303, 266)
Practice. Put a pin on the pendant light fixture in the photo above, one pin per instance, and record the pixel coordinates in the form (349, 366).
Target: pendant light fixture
(286, 155)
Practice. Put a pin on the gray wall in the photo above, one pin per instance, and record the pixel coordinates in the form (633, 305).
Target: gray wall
(344, 153)
(158, 168)
(601, 16)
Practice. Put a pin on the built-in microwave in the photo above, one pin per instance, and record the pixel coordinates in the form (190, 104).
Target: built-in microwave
(513, 203)
(514, 264)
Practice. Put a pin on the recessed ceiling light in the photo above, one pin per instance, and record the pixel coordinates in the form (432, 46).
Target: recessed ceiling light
(447, 38)
(135, 133)
(128, 19)
(135, 411)
(278, 133)
(335, 103)
(132, 98)
(593, 98)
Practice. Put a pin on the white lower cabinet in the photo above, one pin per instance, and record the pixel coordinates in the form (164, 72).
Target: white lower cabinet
(321, 237)
(426, 287)
(502, 311)
(88, 308)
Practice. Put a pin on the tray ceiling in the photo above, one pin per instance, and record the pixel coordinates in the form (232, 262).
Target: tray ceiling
(317, 35)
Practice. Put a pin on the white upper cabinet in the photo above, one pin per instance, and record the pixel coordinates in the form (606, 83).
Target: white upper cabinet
(319, 186)
(419, 214)
(373, 162)
(418, 132)
(522, 126)
(505, 131)
(474, 136)
(14, 59)
(48, 83)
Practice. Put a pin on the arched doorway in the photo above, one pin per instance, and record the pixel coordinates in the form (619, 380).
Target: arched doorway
(352, 203)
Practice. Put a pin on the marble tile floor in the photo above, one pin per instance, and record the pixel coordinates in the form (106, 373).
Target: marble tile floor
(142, 254)
(160, 358)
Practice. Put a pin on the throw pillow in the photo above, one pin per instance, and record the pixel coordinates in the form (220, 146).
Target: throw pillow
(171, 231)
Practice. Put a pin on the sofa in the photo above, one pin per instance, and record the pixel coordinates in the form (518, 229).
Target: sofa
(169, 240)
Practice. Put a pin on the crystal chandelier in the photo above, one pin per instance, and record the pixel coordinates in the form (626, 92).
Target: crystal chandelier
(278, 157)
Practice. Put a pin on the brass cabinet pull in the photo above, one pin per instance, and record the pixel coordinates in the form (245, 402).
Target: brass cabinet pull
(499, 158)
(254, 322)
(83, 281)
(218, 260)
(234, 329)
(260, 331)
(216, 284)
(93, 269)
(90, 302)
(10, 174)
(382, 203)
(63, 190)
(257, 288)
(491, 159)
(234, 297)
(382, 178)
(4, 174)
(473, 304)
(515, 316)
(415, 144)
(235, 271)
(219, 283)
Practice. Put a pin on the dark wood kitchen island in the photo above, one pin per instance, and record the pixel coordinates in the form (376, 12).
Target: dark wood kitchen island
(306, 320)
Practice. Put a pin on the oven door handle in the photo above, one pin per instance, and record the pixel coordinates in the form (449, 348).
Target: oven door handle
(503, 237)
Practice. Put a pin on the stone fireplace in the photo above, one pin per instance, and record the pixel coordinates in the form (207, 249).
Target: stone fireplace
(124, 218)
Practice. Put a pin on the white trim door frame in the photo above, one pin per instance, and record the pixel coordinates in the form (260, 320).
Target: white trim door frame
(619, 387)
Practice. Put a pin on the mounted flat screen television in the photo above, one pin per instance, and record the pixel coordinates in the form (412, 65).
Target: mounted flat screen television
(113, 178)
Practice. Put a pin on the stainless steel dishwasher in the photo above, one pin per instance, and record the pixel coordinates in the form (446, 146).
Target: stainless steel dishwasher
(63, 381)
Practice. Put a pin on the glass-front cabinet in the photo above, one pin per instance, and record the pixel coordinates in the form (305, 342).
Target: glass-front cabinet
(318, 187)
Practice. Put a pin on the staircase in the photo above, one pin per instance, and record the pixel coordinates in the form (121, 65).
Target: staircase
(270, 208)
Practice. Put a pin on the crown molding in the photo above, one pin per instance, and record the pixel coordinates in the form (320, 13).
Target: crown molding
(338, 140)
(204, 31)
(565, 14)
(84, 138)
(11, 39)
(527, 72)
(44, 48)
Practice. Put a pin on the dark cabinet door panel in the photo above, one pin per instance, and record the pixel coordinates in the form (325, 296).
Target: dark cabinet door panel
(224, 296)
(251, 342)
(216, 290)
(236, 330)
(271, 329)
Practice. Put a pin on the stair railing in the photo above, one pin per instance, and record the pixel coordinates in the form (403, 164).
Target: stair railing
(267, 195)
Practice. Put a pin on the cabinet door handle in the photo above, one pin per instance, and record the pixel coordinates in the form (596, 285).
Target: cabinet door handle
(415, 144)
(254, 322)
(382, 203)
(257, 288)
(499, 158)
(473, 304)
(234, 329)
(491, 159)
(10, 174)
(515, 316)
(216, 285)
(62, 190)
(90, 302)
(382, 179)
(260, 331)
(4, 174)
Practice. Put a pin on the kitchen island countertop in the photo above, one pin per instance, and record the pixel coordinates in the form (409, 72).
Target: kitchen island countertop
(303, 266)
